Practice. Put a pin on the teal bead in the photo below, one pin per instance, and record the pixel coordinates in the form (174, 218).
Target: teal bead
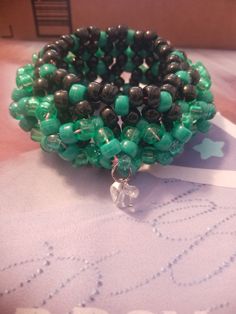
(105, 163)
(47, 69)
(19, 93)
(93, 154)
(36, 135)
(53, 142)
(136, 164)
(129, 52)
(24, 80)
(164, 158)
(66, 133)
(187, 120)
(152, 133)
(27, 123)
(165, 101)
(22, 104)
(129, 66)
(20, 71)
(101, 68)
(28, 69)
(176, 148)
(48, 98)
(50, 126)
(97, 122)
(111, 148)
(84, 129)
(155, 69)
(196, 112)
(130, 36)
(184, 106)
(181, 133)
(34, 58)
(44, 146)
(77, 93)
(124, 162)
(131, 133)
(184, 76)
(103, 135)
(204, 83)
(129, 147)
(76, 43)
(203, 125)
(31, 106)
(81, 158)
(205, 95)
(211, 111)
(178, 53)
(122, 105)
(45, 108)
(201, 69)
(148, 155)
(70, 152)
(14, 110)
(102, 39)
(142, 125)
(164, 143)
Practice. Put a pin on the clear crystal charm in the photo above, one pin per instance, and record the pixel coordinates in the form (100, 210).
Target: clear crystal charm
(123, 194)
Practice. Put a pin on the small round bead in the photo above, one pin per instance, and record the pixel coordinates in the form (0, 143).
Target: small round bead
(151, 114)
(82, 33)
(184, 76)
(170, 89)
(51, 55)
(109, 117)
(94, 91)
(58, 76)
(122, 105)
(195, 76)
(136, 96)
(108, 93)
(189, 92)
(40, 86)
(152, 95)
(165, 101)
(61, 99)
(132, 117)
(47, 70)
(83, 108)
(69, 80)
(172, 79)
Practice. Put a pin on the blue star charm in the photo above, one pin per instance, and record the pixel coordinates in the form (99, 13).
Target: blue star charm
(209, 148)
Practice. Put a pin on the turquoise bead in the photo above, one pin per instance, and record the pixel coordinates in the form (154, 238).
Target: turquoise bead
(84, 129)
(122, 105)
(93, 154)
(77, 93)
(164, 158)
(27, 123)
(204, 83)
(124, 162)
(131, 133)
(97, 122)
(187, 120)
(196, 112)
(130, 36)
(24, 80)
(165, 101)
(45, 108)
(15, 111)
(176, 148)
(205, 95)
(103, 135)
(178, 53)
(181, 133)
(105, 163)
(152, 133)
(129, 66)
(164, 143)
(81, 158)
(203, 125)
(184, 76)
(66, 133)
(31, 106)
(142, 125)
(47, 69)
(50, 126)
(101, 68)
(111, 148)
(70, 152)
(155, 69)
(102, 39)
(36, 135)
(129, 147)
(53, 142)
(184, 106)
(19, 93)
(149, 155)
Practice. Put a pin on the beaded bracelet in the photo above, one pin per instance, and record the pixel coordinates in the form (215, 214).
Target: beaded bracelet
(74, 100)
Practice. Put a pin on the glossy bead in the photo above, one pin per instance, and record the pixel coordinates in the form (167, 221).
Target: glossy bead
(103, 135)
(94, 90)
(47, 70)
(109, 117)
(165, 101)
(93, 154)
(53, 142)
(151, 114)
(179, 54)
(189, 92)
(170, 89)
(77, 93)
(36, 135)
(132, 134)
(108, 93)
(82, 33)
(70, 152)
(172, 79)
(111, 148)
(66, 133)
(195, 76)
(81, 158)
(184, 76)
(152, 95)
(61, 99)
(15, 111)
(84, 129)
(102, 39)
(203, 125)
(24, 80)
(164, 158)
(50, 56)
(124, 162)
(50, 126)
(69, 80)
(164, 143)
(173, 67)
(129, 147)
(97, 122)
(181, 133)
(152, 133)
(83, 108)
(27, 123)
(31, 106)
(19, 93)
(101, 67)
(132, 117)
(148, 155)
(40, 86)
(184, 106)
(122, 105)
(205, 95)
(136, 96)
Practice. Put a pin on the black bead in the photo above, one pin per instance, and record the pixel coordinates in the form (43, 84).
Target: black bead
(172, 79)
(149, 60)
(70, 79)
(108, 47)
(92, 62)
(112, 33)
(78, 63)
(91, 75)
(195, 76)
(189, 92)
(116, 130)
(150, 36)
(61, 99)
(173, 67)
(50, 46)
(64, 116)
(92, 47)
(173, 58)
(164, 50)
(63, 47)
(94, 33)
(136, 96)
(108, 93)
(185, 66)
(151, 95)
(69, 40)
(119, 81)
(136, 74)
(84, 108)
(122, 31)
(39, 62)
(121, 59)
(132, 118)
(170, 89)
(94, 91)
(116, 69)
(137, 60)
(51, 56)
(41, 86)
(174, 113)
(121, 45)
(139, 38)
(151, 115)
(82, 33)
(107, 59)
(149, 76)
(58, 76)
(109, 116)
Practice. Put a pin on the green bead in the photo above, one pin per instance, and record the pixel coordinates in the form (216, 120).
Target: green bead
(124, 162)
(15, 111)
(27, 123)
(211, 111)
(165, 101)
(70, 152)
(101, 68)
(19, 93)
(164, 158)
(142, 125)
(47, 69)
(76, 43)
(53, 142)
(99, 53)
(34, 58)
(31, 106)
(181, 133)
(102, 39)
(184, 106)
(36, 135)
(111, 148)
(187, 120)
(93, 154)
(28, 69)
(164, 143)
(44, 146)
(179, 54)
(129, 52)
(24, 80)
(81, 158)
(184, 76)
(152, 133)
(50, 126)
(131, 133)
(45, 108)
(129, 147)
(105, 163)
(97, 122)
(85, 129)
(205, 95)
(155, 68)
(203, 125)
(122, 105)
(200, 67)
(196, 112)
(77, 93)
(176, 148)
(148, 155)
(20, 71)
(129, 66)
(130, 36)
(66, 133)
(22, 104)
(204, 83)
(103, 135)
(48, 98)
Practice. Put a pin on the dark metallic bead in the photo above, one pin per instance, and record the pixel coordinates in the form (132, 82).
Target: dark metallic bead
(122, 31)
(58, 76)
(121, 45)
(136, 96)
(173, 67)
(92, 47)
(185, 66)
(94, 33)
(91, 75)
(172, 79)
(40, 86)
(139, 38)
(137, 60)
(174, 113)
(119, 81)
(94, 91)
(116, 69)
(189, 92)
(109, 116)
(51, 56)
(150, 36)
(61, 99)
(84, 108)
(108, 93)
(39, 62)
(69, 40)
(112, 33)
(164, 50)
(121, 59)
(107, 59)
(63, 47)
(50, 46)
(173, 58)
(64, 116)
(136, 74)
(82, 33)
(151, 115)
(116, 130)
(70, 79)
(92, 62)
(151, 95)
(132, 118)
(195, 76)
(170, 89)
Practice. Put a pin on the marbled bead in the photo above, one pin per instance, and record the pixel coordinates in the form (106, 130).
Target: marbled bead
(15, 111)
(50, 126)
(148, 155)
(47, 70)
(77, 93)
(111, 148)
(66, 133)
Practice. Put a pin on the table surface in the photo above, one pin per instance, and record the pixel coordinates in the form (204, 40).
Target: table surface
(63, 242)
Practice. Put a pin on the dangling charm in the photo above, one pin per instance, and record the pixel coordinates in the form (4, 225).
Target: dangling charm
(123, 193)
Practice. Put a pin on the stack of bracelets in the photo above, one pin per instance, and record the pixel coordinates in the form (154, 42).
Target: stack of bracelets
(74, 100)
